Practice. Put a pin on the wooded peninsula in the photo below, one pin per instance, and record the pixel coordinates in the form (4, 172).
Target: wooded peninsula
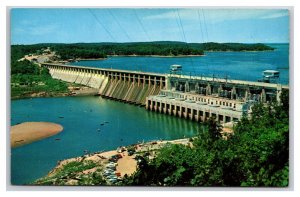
(161, 48)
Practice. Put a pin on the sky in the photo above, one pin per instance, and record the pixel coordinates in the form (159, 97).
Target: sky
(74, 25)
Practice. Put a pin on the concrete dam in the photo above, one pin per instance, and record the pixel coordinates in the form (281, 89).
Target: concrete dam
(131, 87)
(190, 97)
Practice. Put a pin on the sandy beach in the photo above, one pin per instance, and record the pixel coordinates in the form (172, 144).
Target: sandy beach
(29, 132)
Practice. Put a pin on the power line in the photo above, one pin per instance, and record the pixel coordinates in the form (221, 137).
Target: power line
(202, 34)
(181, 25)
(178, 25)
(207, 39)
(123, 30)
(200, 25)
(191, 60)
(141, 24)
(115, 18)
(205, 24)
(103, 26)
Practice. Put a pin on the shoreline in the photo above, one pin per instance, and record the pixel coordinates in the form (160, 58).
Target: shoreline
(40, 95)
(89, 59)
(243, 51)
(162, 56)
(96, 59)
(83, 91)
(125, 164)
(123, 161)
(170, 56)
(165, 56)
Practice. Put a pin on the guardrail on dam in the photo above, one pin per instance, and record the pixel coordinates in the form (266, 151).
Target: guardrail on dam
(195, 98)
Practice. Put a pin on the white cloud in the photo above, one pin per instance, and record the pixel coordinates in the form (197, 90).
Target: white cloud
(36, 30)
(40, 30)
(219, 15)
(276, 15)
(184, 13)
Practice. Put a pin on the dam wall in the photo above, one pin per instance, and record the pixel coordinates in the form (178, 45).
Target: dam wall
(128, 86)
(93, 80)
(190, 97)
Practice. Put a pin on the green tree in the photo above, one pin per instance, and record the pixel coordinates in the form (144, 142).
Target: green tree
(257, 154)
(214, 129)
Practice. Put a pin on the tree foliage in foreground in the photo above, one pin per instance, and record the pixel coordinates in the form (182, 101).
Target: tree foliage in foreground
(256, 155)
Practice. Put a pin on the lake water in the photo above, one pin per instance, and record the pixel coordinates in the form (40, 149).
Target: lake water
(127, 124)
(235, 65)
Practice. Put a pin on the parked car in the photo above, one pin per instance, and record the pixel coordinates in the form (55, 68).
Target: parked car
(137, 157)
(108, 171)
(107, 174)
(118, 174)
(111, 164)
(112, 177)
(113, 180)
(119, 156)
(112, 168)
(113, 159)
(130, 152)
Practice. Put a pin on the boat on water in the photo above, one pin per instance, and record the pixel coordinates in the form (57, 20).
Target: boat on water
(270, 76)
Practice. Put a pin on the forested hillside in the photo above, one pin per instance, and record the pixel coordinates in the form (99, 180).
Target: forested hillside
(163, 48)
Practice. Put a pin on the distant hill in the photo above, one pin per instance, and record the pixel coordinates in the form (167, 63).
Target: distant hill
(163, 48)
(212, 46)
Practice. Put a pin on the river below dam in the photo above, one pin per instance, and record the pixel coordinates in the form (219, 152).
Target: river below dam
(81, 117)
